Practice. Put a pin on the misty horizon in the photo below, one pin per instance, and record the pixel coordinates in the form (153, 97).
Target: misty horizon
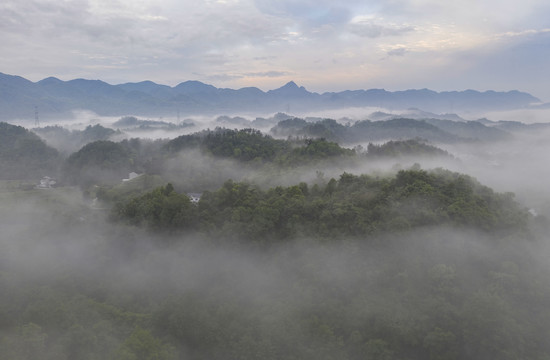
(290, 84)
(52, 98)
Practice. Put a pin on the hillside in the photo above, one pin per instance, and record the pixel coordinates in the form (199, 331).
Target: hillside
(353, 206)
(433, 130)
(24, 156)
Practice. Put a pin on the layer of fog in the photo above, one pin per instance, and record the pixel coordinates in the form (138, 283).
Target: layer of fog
(194, 171)
(526, 116)
(49, 248)
(52, 238)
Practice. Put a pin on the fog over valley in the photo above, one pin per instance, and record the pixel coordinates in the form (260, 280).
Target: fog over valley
(268, 180)
(385, 235)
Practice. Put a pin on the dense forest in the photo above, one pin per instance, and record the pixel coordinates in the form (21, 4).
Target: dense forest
(353, 206)
(233, 244)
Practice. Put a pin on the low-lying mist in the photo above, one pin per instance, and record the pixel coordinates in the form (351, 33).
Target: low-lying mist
(516, 165)
(77, 286)
(409, 294)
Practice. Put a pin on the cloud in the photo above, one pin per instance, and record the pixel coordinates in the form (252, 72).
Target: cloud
(312, 19)
(218, 77)
(527, 32)
(397, 52)
(371, 29)
(270, 74)
(315, 12)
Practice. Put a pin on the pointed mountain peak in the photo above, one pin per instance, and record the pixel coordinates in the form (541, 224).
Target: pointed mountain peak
(290, 85)
(290, 88)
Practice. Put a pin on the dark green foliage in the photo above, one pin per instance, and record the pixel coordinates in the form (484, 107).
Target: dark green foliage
(317, 149)
(163, 209)
(23, 155)
(350, 206)
(244, 145)
(252, 147)
(97, 163)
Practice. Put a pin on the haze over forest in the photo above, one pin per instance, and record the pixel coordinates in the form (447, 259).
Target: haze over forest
(231, 180)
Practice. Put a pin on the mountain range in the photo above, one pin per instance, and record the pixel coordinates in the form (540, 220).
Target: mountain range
(53, 98)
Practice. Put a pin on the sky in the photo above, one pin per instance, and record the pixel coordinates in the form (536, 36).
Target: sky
(323, 45)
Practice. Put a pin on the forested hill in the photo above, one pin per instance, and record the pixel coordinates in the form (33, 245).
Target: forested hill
(355, 206)
(249, 145)
(439, 131)
(23, 155)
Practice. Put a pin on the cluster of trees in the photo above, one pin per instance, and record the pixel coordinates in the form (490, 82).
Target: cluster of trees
(350, 206)
(249, 145)
(24, 156)
(162, 209)
(244, 145)
(412, 147)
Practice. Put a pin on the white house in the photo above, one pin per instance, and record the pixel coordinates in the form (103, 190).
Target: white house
(194, 197)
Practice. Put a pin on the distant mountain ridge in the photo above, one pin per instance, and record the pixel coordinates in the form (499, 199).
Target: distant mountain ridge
(56, 98)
